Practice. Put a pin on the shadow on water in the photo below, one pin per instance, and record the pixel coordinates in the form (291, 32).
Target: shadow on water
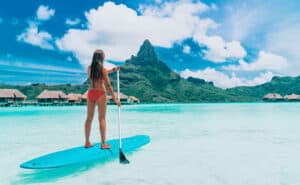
(54, 174)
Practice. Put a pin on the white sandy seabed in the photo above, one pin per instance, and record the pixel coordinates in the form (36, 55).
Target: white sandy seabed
(207, 144)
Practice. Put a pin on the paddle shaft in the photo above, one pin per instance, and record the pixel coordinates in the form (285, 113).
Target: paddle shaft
(122, 156)
(119, 110)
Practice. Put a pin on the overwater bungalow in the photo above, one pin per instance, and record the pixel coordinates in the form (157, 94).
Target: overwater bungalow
(11, 96)
(84, 97)
(124, 99)
(292, 97)
(52, 97)
(74, 98)
(134, 99)
(273, 97)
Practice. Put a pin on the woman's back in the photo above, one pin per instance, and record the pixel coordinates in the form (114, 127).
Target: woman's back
(97, 83)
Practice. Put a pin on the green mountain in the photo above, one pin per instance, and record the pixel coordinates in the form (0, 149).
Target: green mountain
(151, 80)
(281, 85)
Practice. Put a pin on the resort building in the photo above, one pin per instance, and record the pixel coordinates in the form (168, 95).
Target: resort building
(273, 97)
(11, 96)
(124, 99)
(133, 99)
(52, 97)
(74, 98)
(84, 97)
(292, 97)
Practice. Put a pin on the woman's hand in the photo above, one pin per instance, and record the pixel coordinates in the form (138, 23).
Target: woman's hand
(117, 68)
(117, 102)
(113, 69)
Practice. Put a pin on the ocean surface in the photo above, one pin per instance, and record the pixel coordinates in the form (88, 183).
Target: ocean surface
(205, 144)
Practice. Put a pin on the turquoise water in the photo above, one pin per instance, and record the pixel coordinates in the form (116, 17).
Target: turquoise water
(207, 144)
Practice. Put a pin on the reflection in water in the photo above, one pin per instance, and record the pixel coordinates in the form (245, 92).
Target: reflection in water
(54, 174)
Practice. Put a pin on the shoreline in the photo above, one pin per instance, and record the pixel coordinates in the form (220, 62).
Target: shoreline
(153, 103)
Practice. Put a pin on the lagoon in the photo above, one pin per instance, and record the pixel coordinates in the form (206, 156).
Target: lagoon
(214, 144)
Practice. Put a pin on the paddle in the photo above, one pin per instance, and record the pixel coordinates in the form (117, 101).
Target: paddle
(122, 157)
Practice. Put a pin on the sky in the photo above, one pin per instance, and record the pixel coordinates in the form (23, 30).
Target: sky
(229, 42)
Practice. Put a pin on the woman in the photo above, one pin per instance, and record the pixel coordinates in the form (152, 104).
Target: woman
(98, 76)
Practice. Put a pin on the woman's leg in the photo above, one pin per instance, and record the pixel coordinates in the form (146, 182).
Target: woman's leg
(88, 122)
(102, 120)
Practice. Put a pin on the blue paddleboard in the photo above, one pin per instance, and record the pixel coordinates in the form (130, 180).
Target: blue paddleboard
(81, 154)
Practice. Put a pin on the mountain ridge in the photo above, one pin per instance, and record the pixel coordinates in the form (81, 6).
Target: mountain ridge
(151, 80)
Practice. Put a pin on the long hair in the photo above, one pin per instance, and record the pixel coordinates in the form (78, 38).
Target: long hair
(97, 66)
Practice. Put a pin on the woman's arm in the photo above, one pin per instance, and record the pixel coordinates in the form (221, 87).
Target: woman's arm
(113, 69)
(89, 72)
(110, 89)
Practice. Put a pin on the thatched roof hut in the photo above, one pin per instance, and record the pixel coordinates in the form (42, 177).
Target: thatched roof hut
(84, 96)
(292, 97)
(74, 97)
(122, 96)
(51, 95)
(273, 96)
(11, 94)
(134, 99)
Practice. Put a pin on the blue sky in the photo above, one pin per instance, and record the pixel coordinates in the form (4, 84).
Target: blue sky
(229, 42)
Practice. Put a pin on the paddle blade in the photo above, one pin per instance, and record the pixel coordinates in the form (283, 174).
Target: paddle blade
(122, 157)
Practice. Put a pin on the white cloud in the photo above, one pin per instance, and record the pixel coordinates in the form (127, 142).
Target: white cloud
(44, 13)
(265, 61)
(239, 22)
(108, 65)
(187, 49)
(178, 8)
(284, 40)
(272, 27)
(33, 36)
(72, 22)
(220, 50)
(224, 81)
(260, 79)
(25, 64)
(120, 31)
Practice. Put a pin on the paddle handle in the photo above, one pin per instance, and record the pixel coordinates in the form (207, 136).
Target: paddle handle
(119, 110)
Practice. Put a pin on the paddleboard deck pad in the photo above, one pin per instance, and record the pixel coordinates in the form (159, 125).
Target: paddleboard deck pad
(81, 154)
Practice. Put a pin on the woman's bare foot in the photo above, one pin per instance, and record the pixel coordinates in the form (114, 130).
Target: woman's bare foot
(105, 146)
(88, 145)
